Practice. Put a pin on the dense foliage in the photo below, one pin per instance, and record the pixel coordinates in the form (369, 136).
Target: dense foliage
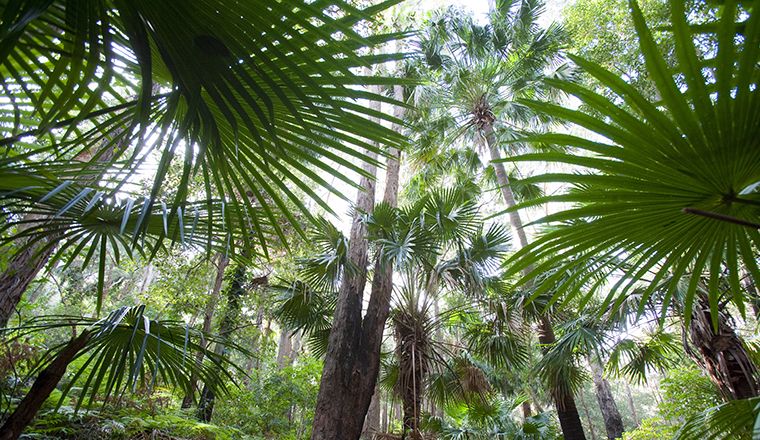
(347, 219)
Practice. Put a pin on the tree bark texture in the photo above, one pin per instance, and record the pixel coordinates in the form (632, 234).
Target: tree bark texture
(21, 270)
(631, 405)
(41, 389)
(613, 421)
(721, 353)
(503, 180)
(372, 421)
(352, 362)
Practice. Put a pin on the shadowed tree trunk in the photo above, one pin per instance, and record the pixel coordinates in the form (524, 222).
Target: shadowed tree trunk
(41, 389)
(235, 291)
(352, 361)
(721, 353)
(613, 421)
(567, 412)
(208, 316)
(565, 404)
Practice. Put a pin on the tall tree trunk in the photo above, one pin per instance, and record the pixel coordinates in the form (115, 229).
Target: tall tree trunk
(284, 350)
(384, 417)
(372, 421)
(352, 361)
(503, 180)
(208, 316)
(572, 428)
(235, 292)
(19, 273)
(632, 405)
(569, 420)
(721, 354)
(613, 421)
(590, 424)
(41, 389)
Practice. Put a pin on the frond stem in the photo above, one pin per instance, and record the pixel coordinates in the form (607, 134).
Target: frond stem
(721, 217)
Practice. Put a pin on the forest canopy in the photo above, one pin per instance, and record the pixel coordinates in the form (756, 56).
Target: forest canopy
(349, 219)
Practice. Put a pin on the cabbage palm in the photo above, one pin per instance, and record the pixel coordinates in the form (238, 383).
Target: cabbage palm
(120, 352)
(480, 75)
(253, 102)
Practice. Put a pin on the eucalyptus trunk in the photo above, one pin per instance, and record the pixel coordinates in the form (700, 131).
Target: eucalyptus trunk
(587, 413)
(284, 350)
(613, 421)
(23, 266)
(42, 388)
(352, 362)
(570, 421)
(372, 421)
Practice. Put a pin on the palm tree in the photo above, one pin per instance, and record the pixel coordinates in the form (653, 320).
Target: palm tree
(481, 73)
(119, 352)
(270, 87)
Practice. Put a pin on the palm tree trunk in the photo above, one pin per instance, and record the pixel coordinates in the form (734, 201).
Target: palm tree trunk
(352, 362)
(503, 179)
(572, 428)
(721, 353)
(569, 419)
(41, 389)
(613, 421)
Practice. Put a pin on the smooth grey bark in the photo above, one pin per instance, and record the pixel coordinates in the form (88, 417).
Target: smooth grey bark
(284, 350)
(503, 180)
(613, 421)
(372, 420)
(570, 421)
